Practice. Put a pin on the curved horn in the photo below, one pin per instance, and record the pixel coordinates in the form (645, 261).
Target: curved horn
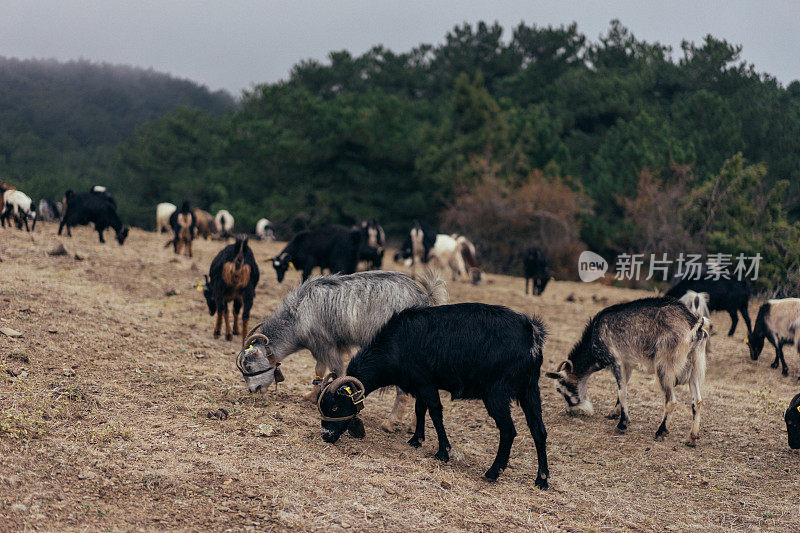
(333, 383)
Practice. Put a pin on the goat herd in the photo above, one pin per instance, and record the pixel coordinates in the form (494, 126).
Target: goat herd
(410, 338)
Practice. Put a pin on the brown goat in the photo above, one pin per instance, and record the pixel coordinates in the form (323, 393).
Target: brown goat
(204, 223)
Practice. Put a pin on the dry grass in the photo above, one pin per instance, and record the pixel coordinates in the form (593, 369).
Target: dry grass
(104, 424)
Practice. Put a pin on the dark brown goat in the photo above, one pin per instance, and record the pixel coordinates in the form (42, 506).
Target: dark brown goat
(233, 276)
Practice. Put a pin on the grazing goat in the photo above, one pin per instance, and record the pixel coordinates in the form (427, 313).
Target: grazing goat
(333, 247)
(373, 243)
(329, 314)
(205, 224)
(658, 335)
(472, 350)
(472, 271)
(17, 206)
(224, 222)
(264, 230)
(164, 211)
(49, 211)
(537, 270)
(182, 222)
(84, 207)
(723, 295)
(792, 418)
(417, 244)
(447, 253)
(778, 321)
(233, 276)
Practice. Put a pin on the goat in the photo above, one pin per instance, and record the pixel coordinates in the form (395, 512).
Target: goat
(417, 244)
(330, 247)
(85, 207)
(792, 418)
(373, 243)
(205, 224)
(233, 276)
(49, 211)
(697, 302)
(224, 222)
(328, 314)
(723, 295)
(778, 321)
(659, 335)
(17, 206)
(164, 211)
(536, 266)
(472, 350)
(182, 222)
(103, 191)
(469, 256)
(264, 230)
(446, 253)
(3, 188)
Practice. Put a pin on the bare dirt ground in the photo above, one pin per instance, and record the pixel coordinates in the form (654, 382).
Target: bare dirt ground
(104, 425)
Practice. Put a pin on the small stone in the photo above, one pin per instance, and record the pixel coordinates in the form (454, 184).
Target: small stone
(58, 250)
(171, 292)
(8, 332)
(80, 256)
(446, 485)
(52, 330)
(266, 430)
(68, 372)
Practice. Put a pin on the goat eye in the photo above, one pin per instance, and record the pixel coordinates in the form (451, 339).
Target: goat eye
(335, 408)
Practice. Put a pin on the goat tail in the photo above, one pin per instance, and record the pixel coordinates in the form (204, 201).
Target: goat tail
(435, 286)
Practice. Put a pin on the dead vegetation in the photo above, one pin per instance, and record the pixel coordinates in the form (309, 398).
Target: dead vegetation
(119, 411)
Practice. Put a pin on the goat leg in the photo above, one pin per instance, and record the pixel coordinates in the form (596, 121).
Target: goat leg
(228, 335)
(420, 408)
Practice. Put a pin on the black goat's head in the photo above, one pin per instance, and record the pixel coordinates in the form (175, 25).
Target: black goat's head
(281, 263)
(208, 295)
(792, 418)
(756, 344)
(122, 235)
(339, 402)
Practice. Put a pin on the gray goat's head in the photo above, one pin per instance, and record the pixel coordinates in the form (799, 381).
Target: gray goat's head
(258, 365)
(572, 388)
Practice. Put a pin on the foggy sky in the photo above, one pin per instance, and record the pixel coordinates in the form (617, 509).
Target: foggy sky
(233, 44)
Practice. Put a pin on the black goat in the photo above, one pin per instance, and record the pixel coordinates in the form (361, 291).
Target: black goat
(723, 295)
(536, 266)
(472, 350)
(373, 243)
(428, 233)
(85, 207)
(233, 276)
(792, 418)
(333, 247)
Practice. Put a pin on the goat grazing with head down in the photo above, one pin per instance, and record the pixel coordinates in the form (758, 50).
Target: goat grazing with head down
(233, 276)
(536, 267)
(329, 314)
(792, 418)
(472, 350)
(778, 321)
(204, 223)
(659, 335)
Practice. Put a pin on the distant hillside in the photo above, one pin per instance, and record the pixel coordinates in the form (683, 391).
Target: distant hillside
(59, 122)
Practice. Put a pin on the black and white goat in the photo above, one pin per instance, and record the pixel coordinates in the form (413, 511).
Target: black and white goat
(92, 207)
(472, 350)
(792, 418)
(723, 295)
(658, 335)
(537, 270)
(373, 243)
(778, 321)
(17, 207)
(418, 242)
(49, 211)
(224, 221)
(264, 230)
(335, 248)
(233, 276)
(183, 224)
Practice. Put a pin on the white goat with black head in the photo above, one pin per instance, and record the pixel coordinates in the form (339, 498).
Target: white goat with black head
(778, 322)
(659, 335)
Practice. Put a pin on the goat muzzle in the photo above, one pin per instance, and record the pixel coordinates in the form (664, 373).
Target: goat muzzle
(251, 338)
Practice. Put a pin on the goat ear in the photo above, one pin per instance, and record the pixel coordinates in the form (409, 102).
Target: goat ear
(553, 375)
(705, 296)
(566, 366)
(356, 428)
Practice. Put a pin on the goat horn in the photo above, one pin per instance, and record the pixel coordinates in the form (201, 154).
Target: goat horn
(565, 364)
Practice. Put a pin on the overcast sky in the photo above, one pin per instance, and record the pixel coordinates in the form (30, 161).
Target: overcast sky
(233, 44)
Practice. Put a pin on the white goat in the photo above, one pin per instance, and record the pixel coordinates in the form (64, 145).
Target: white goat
(17, 205)
(164, 210)
(224, 221)
(264, 230)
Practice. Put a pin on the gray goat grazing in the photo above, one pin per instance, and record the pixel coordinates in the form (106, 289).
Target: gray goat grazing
(658, 335)
(329, 314)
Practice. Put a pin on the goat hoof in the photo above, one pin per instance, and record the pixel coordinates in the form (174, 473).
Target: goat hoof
(390, 426)
(691, 442)
(774, 365)
(414, 442)
(620, 430)
(785, 372)
(228, 336)
(492, 474)
(442, 455)
(660, 436)
(541, 482)
(216, 334)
